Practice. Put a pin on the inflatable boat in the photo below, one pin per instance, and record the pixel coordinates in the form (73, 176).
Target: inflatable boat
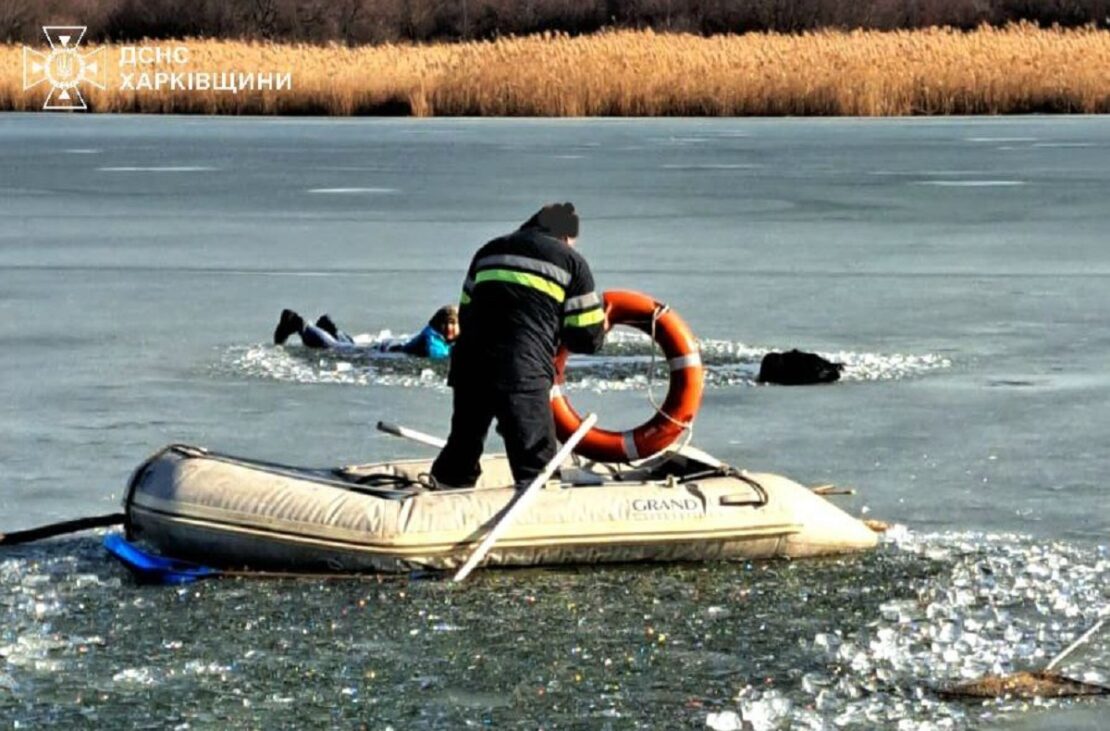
(681, 505)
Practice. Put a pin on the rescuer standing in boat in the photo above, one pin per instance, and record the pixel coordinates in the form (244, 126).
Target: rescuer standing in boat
(524, 294)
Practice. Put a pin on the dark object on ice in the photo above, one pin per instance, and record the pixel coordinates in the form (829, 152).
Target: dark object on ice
(289, 323)
(797, 368)
(60, 529)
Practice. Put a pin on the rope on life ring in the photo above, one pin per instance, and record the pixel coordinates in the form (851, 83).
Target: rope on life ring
(671, 418)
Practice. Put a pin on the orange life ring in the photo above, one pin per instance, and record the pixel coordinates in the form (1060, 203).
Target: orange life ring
(677, 413)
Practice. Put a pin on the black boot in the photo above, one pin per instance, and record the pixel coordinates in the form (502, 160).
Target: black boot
(289, 323)
(325, 324)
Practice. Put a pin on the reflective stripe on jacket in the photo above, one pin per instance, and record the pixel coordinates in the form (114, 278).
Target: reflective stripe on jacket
(524, 294)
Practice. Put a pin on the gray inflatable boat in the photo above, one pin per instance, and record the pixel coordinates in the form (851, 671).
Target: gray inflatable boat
(682, 505)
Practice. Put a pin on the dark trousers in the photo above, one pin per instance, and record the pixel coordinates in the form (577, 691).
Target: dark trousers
(524, 421)
(316, 337)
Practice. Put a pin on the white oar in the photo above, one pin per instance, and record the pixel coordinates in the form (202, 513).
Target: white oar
(1073, 646)
(416, 436)
(524, 497)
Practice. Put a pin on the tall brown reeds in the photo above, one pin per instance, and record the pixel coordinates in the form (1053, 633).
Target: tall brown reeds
(1020, 68)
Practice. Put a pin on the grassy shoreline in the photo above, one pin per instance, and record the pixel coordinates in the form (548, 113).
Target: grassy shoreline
(1017, 69)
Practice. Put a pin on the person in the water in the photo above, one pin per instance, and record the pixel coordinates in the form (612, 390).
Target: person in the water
(434, 341)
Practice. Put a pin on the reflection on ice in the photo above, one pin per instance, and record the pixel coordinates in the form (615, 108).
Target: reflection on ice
(712, 166)
(1001, 139)
(971, 183)
(351, 191)
(158, 169)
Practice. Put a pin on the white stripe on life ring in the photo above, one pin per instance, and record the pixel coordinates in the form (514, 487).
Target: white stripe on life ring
(628, 440)
(556, 392)
(690, 360)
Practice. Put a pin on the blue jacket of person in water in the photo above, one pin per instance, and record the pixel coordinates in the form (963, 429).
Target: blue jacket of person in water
(435, 340)
(428, 343)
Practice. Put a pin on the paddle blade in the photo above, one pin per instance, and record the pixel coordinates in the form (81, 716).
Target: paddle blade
(151, 569)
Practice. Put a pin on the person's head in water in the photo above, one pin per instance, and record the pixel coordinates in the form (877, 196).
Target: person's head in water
(446, 322)
(556, 219)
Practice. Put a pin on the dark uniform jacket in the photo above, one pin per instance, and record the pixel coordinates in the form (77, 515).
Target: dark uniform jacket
(524, 294)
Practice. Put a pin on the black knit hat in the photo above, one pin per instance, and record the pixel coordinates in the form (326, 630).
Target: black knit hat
(557, 219)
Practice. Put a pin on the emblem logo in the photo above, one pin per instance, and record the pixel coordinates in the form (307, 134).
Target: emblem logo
(64, 67)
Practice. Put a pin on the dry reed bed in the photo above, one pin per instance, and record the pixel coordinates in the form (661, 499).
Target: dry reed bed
(939, 71)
